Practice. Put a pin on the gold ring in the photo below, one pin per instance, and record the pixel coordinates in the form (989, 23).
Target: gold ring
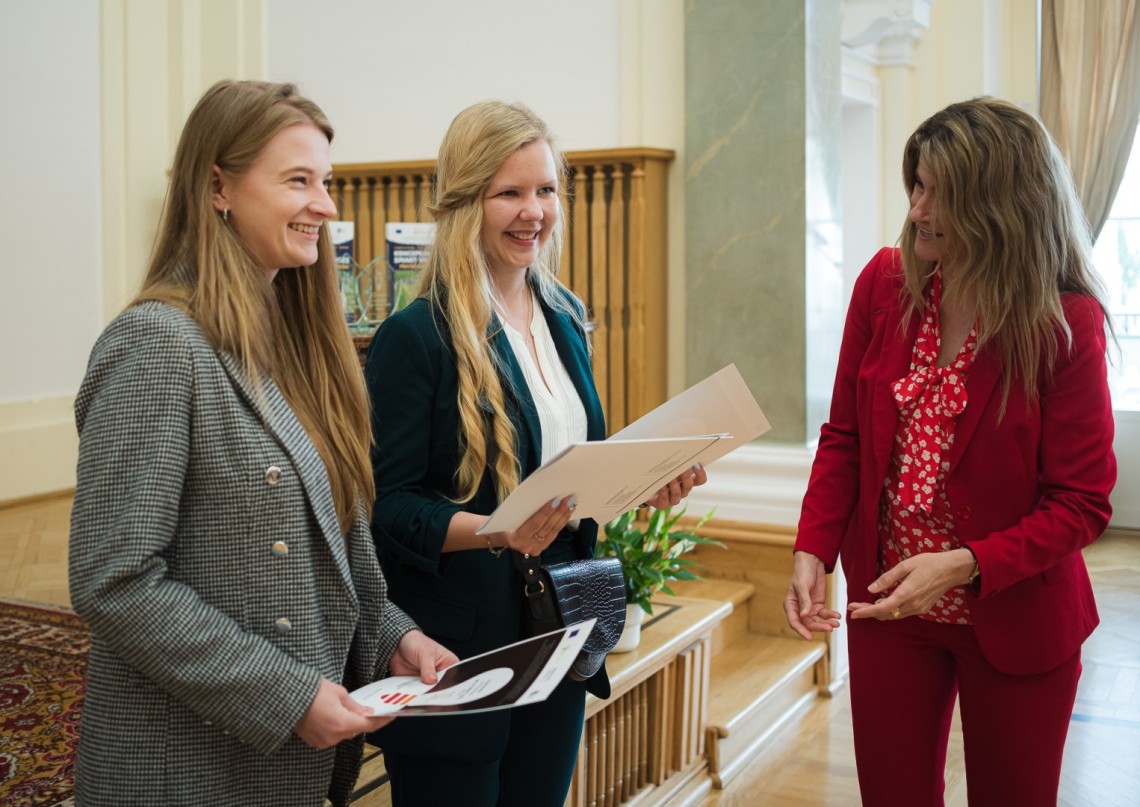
(896, 613)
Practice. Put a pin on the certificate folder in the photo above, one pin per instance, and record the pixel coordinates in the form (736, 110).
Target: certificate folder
(606, 477)
(609, 477)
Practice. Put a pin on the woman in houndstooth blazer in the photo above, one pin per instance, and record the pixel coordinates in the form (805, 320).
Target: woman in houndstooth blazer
(220, 546)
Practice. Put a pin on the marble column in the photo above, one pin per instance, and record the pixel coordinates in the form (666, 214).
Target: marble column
(763, 256)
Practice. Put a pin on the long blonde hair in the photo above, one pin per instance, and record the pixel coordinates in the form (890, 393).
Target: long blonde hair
(292, 330)
(457, 279)
(1021, 237)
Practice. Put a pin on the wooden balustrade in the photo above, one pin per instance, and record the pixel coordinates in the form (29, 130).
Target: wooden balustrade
(614, 258)
(646, 744)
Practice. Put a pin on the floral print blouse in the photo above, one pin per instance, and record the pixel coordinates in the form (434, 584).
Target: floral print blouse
(915, 513)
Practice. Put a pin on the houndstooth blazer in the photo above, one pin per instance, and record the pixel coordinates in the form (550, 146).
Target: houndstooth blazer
(207, 559)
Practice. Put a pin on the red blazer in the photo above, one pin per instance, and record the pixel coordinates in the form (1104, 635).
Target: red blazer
(1028, 492)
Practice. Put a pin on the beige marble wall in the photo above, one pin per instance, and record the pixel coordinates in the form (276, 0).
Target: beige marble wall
(763, 240)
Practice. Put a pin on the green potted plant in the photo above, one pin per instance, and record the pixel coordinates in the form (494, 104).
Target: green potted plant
(651, 554)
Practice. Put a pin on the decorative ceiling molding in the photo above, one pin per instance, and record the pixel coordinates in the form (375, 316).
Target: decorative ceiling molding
(885, 31)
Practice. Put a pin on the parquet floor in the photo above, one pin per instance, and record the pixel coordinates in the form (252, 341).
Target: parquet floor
(33, 551)
(814, 766)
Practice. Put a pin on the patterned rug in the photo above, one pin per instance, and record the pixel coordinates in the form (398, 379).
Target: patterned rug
(43, 660)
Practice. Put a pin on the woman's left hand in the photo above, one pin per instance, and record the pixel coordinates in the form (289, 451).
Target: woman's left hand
(420, 656)
(920, 580)
(678, 488)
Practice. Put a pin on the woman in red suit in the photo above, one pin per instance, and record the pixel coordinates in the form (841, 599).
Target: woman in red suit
(966, 462)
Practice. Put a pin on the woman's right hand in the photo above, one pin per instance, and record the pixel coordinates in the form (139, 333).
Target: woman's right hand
(539, 531)
(334, 716)
(805, 602)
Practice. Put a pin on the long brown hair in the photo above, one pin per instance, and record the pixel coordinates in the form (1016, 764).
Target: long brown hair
(457, 279)
(293, 330)
(1021, 236)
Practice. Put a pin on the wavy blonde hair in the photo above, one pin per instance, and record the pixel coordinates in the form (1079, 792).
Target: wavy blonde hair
(293, 330)
(457, 280)
(1020, 234)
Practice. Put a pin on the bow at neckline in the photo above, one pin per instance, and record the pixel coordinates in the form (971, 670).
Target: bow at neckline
(930, 398)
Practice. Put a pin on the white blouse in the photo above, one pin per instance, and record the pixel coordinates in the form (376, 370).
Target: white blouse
(561, 415)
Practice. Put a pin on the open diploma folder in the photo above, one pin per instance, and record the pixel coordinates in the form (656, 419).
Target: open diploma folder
(609, 477)
(515, 675)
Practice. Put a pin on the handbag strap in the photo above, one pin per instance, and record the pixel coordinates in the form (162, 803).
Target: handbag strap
(537, 590)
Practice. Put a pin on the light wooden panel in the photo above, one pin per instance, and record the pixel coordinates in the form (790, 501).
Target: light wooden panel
(761, 556)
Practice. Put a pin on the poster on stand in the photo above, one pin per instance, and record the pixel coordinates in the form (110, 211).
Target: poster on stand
(342, 233)
(407, 246)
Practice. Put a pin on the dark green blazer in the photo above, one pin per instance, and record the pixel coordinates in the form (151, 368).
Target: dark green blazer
(469, 601)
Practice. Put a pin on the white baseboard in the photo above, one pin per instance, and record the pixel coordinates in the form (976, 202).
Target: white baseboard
(762, 484)
(39, 446)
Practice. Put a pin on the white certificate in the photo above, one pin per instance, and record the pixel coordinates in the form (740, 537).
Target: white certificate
(606, 477)
(609, 477)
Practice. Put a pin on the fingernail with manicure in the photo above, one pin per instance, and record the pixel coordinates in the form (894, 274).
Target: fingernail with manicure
(554, 504)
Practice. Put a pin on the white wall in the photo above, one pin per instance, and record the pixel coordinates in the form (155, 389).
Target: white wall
(51, 280)
(94, 97)
(391, 74)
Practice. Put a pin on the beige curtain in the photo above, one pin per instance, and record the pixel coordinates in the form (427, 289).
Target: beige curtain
(1090, 92)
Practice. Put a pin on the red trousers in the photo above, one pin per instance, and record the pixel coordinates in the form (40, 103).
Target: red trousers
(904, 678)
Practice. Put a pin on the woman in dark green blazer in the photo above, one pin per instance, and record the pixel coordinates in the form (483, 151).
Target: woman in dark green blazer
(473, 386)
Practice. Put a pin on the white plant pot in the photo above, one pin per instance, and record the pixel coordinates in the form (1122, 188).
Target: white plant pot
(631, 633)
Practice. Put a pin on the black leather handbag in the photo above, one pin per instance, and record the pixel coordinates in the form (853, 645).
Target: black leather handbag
(567, 593)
